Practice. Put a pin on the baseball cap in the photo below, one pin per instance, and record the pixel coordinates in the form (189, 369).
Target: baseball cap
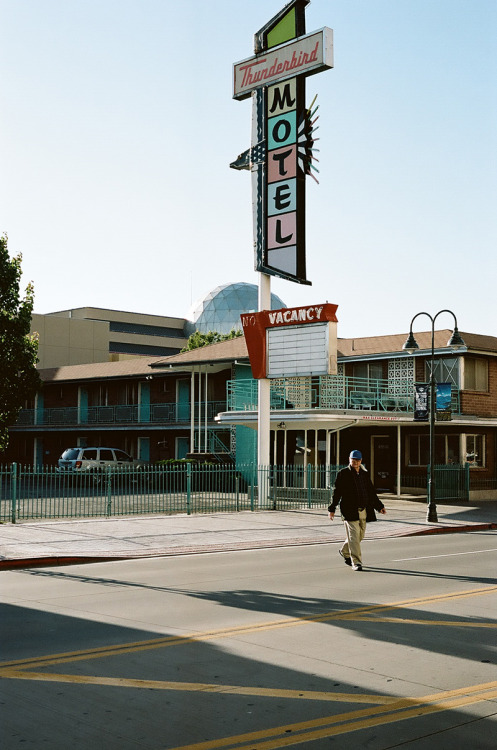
(355, 454)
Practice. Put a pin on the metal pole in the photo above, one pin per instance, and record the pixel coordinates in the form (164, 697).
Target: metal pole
(199, 407)
(189, 488)
(13, 491)
(108, 487)
(432, 508)
(206, 446)
(264, 406)
(454, 342)
(192, 413)
(399, 455)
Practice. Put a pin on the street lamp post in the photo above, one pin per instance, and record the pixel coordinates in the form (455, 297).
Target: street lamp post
(455, 342)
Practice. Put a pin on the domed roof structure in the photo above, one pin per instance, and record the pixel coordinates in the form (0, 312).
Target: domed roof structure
(220, 309)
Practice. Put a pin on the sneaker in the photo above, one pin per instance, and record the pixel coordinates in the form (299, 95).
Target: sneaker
(356, 567)
(346, 560)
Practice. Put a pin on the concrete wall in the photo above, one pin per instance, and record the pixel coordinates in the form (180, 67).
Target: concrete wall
(163, 335)
(69, 341)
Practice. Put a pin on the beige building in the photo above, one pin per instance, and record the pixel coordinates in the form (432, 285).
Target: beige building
(90, 334)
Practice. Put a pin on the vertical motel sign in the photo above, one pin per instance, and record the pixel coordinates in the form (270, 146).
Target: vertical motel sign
(280, 156)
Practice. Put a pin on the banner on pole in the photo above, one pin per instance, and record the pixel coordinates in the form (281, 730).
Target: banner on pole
(444, 402)
(421, 402)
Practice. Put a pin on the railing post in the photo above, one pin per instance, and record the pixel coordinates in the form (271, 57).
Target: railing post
(272, 474)
(13, 491)
(309, 480)
(109, 490)
(252, 488)
(188, 488)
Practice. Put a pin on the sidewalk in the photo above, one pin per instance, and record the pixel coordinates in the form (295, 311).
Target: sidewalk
(92, 540)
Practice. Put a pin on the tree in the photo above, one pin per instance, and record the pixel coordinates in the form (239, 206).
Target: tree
(197, 339)
(19, 379)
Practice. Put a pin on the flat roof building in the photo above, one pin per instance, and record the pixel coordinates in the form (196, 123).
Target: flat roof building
(84, 335)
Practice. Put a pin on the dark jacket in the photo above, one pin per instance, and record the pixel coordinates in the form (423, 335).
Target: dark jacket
(346, 496)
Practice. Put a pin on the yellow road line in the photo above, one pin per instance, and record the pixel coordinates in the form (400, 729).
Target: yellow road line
(291, 734)
(410, 621)
(374, 722)
(407, 708)
(199, 687)
(231, 632)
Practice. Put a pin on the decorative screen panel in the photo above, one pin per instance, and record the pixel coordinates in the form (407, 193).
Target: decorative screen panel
(291, 393)
(332, 390)
(401, 375)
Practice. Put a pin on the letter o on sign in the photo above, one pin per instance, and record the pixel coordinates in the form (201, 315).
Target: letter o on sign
(281, 131)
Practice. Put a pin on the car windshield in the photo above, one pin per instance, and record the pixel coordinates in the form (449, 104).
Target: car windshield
(70, 454)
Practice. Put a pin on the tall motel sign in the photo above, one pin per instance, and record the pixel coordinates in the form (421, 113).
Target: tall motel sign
(279, 159)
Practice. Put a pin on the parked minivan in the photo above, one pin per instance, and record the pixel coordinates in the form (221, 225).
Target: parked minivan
(94, 459)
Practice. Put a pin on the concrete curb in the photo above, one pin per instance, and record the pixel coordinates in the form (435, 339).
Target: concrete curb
(455, 529)
(49, 562)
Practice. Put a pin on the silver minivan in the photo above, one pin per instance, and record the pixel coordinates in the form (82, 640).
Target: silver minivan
(95, 459)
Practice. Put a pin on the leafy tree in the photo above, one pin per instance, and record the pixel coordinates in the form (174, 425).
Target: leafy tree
(197, 339)
(19, 379)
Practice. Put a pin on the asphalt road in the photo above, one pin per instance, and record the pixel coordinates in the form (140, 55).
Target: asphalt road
(256, 650)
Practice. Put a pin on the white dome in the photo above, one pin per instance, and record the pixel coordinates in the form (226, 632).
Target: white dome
(220, 309)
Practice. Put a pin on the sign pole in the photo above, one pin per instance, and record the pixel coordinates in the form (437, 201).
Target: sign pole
(279, 158)
(264, 299)
(264, 407)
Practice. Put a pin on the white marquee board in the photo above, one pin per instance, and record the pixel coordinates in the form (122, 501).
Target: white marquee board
(298, 350)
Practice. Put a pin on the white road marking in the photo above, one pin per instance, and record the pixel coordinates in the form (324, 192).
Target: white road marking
(451, 554)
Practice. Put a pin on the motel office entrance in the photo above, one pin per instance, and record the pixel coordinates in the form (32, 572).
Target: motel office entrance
(305, 453)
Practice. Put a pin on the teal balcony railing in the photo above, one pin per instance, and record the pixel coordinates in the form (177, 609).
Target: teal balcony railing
(329, 392)
(120, 414)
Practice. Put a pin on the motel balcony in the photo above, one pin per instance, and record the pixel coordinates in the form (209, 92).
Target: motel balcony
(122, 415)
(330, 392)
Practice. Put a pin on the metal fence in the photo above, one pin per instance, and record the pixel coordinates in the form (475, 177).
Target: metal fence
(451, 481)
(29, 493)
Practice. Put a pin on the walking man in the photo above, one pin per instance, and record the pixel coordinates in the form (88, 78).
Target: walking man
(355, 494)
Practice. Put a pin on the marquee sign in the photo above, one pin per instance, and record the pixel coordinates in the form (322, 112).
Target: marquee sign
(292, 342)
(307, 55)
(283, 135)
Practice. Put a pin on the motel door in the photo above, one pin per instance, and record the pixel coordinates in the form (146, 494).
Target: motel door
(183, 400)
(384, 463)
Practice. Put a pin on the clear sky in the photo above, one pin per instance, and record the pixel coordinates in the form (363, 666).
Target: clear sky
(117, 128)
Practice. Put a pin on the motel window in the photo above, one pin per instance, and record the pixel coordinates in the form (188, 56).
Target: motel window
(474, 450)
(418, 450)
(475, 374)
(446, 370)
(447, 450)
(127, 394)
(98, 396)
(369, 371)
(453, 449)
